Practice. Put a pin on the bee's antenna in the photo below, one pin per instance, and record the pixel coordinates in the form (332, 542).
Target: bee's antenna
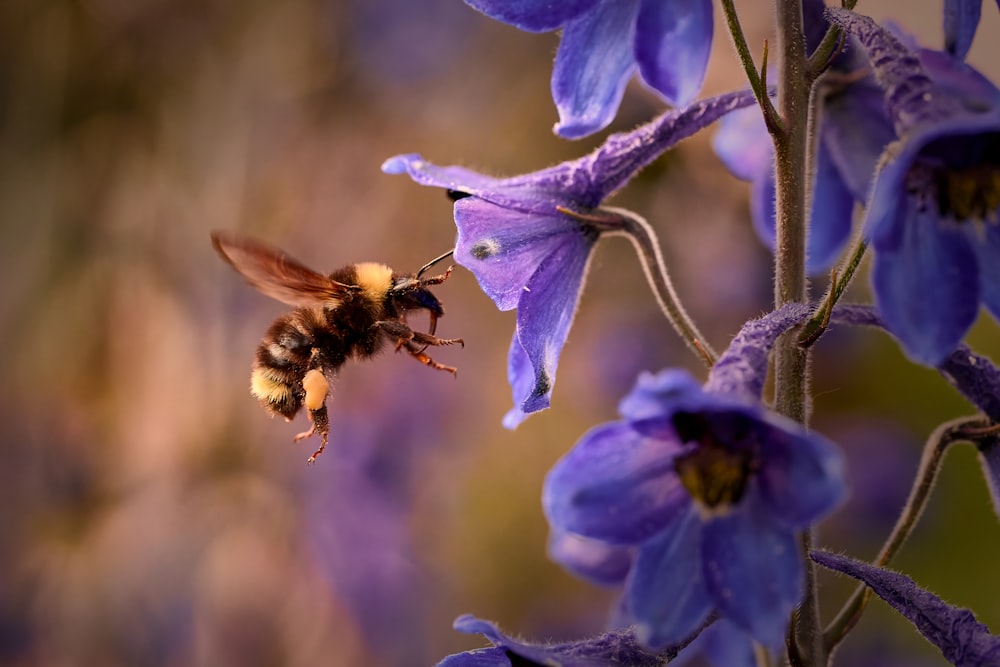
(434, 261)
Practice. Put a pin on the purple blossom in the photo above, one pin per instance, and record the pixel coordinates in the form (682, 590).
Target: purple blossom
(605, 41)
(617, 648)
(853, 130)
(528, 252)
(710, 489)
(964, 641)
(932, 217)
(961, 18)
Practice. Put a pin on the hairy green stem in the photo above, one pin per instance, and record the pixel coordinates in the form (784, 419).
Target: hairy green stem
(839, 280)
(758, 82)
(791, 361)
(621, 222)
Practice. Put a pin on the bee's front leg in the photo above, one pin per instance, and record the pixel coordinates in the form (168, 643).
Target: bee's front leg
(416, 342)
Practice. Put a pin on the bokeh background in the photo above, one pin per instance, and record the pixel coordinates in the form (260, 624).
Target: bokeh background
(152, 514)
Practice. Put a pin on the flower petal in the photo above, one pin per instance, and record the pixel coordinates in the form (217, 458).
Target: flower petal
(615, 486)
(532, 15)
(753, 571)
(521, 378)
(723, 645)
(832, 213)
(743, 144)
(802, 475)
(598, 562)
(855, 129)
(666, 592)
(987, 245)
(672, 44)
(593, 64)
(762, 205)
(655, 393)
(504, 248)
(961, 18)
(962, 639)
(546, 310)
(928, 289)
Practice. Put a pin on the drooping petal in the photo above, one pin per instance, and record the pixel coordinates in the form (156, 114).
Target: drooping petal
(616, 647)
(546, 310)
(989, 458)
(855, 129)
(963, 640)
(830, 220)
(802, 476)
(532, 15)
(723, 644)
(753, 571)
(654, 393)
(504, 248)
(598, 562)
(593, 64)
(521, 378)
(672, 44)
(928, 289)
(615, 486)
(987, 245)
(743, 143)
(961, 18)
(666, 592)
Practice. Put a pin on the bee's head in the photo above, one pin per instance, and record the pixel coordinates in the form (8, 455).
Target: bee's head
(409, 293)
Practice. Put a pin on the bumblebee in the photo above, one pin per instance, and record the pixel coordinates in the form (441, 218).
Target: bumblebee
(352, 312)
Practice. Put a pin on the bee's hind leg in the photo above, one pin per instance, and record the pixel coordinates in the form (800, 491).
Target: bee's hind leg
(317, 388)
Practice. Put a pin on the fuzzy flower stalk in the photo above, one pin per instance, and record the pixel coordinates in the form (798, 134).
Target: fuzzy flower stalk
(529, 239)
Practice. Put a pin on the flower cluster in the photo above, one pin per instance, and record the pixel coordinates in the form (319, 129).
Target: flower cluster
(700, 501)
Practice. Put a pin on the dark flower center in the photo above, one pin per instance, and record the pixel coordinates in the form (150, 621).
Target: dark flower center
(714, 473)
(962, 175)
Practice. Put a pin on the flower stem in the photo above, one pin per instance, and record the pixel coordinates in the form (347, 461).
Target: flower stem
(758, 82)
(958, 430)
(617, 221)
(791, 362)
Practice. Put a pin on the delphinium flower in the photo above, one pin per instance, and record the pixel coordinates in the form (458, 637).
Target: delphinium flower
(932, 216)
(853, 128)
(529, 239)
(604, 41)
(710, 488)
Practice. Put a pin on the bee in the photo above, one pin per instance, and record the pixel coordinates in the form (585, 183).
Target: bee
(352, 312)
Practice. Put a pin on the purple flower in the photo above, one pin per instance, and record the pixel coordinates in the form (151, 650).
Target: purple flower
(961, 18)
(528, 252)
(709, 488)
(853, 130)
(964, 641)
(932, 216)
(603, 41)
(609, 649)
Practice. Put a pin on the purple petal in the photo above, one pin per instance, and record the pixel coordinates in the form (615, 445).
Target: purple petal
(754, 572)
(832, 212)
(762, 205)
(989, 458)
(617, 647)
(494, 656)
(964, 641)
(521, 378)
(597, 562)
(546, 310)
(802, 475)
(532, 15)
(987, 246)
(961, 18)
(743, 144)
(928, 289)
(504, 248)
(958, 78)
(855, 130)
(666, 591)
(672, 44)
(723, 645)
(615, 486)
(655, 394)
(594, 62)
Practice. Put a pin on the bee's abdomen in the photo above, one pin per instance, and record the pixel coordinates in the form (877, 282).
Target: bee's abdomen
(283, 357)
(274, 391)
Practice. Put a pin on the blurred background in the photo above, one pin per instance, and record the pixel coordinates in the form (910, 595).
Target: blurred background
(154, 515)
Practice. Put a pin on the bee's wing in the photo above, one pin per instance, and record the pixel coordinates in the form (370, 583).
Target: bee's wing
(276, 274)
